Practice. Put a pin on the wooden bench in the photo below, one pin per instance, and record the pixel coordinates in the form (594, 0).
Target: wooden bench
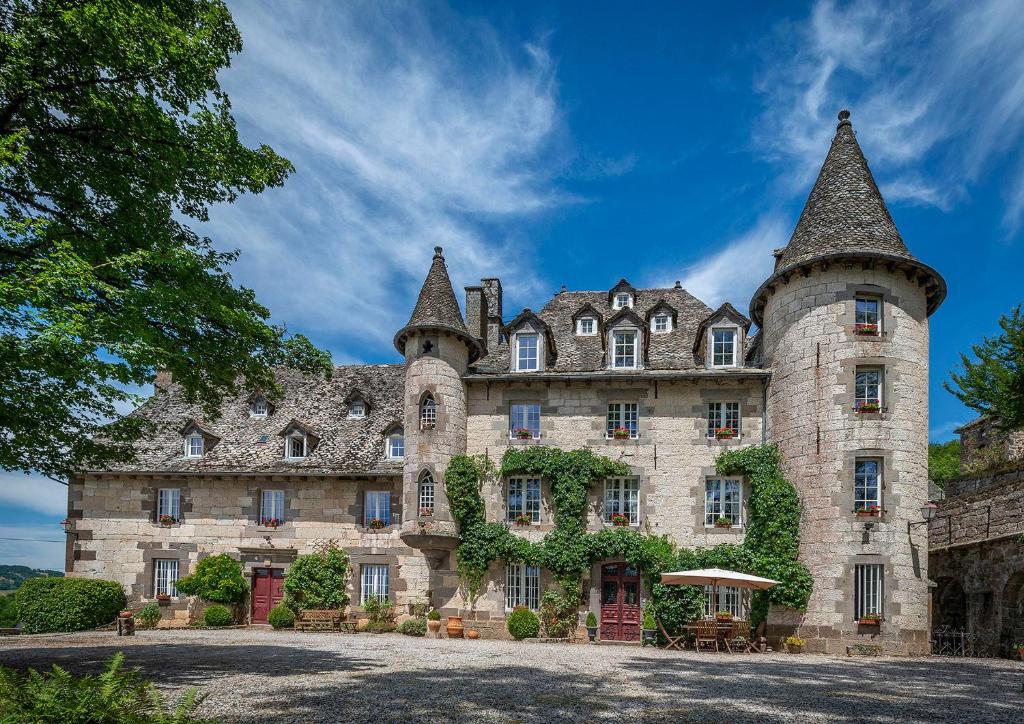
(318, 620)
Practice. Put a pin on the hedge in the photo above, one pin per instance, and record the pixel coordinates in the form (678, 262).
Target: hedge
(281, 616)
(217, 615)
(48, 605)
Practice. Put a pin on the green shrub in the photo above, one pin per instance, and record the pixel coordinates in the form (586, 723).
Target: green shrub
(381, 613)
(217, 578)
(434, 615)
(649, 621)
(281, 616)
(67, 604)
(416, 626)
(318, 581)
(149, 615)
(113, 697)
(8, 610)
(591, 620)
(217, 615)
(523, 624)
(558, 614)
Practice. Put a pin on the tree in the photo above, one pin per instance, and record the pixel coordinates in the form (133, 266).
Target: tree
(217, 578)
(943, 462)
(994, 384)
(114, 132)
(318, 580)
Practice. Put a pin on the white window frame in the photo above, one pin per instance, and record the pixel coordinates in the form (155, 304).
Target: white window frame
(428, 412)
(393, 441)
(356, 410)
(861, 390)
(868, 589)
(733, 599)
(272, 505)
(622, 495)
(727, 361)
(864, 318)
(526, 416)
(425, 494)
(715, 504)
(724, 414)
(289, 448)
(168, 502)
(622, 300)
(623, 414)
(614, 348)
(591, 322)
(529, 494)
(379, 508)
(661, 317)
(522, 586)
(165, 576)
(191, 447)
(863, 479)
(259, 408)
(524, 365)
(374, 580)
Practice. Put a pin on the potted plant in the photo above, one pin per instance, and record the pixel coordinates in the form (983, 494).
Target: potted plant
(869, 511)
(270, 522)
(870, 329)
(376, 524)
(723, 522)
(868, 406)
(523, 433)
(163, 597)
(434, 621)
(523, 520)
(794, 644)
(621, 433)
(426, 512)
(125, 614)
(167, 520)
(591, 626)
(650, 626)
(619, 520)
(455, 627)
(723, 616)
(870, 619)
(725, 433)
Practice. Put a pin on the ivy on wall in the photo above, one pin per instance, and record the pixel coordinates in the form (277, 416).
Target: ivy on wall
(770, 547)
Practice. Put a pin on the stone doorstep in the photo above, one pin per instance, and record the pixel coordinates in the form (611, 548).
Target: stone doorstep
(609, 642)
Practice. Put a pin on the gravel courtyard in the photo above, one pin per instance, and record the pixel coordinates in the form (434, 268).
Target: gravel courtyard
(261, 675)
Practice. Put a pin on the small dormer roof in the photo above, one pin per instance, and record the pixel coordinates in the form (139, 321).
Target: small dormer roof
(662, 306)
(528, 316)
(725, 311)
(354, 395)
(621, 286)
(193, 425)
(588, 310)
(297, 425)
(626, 314)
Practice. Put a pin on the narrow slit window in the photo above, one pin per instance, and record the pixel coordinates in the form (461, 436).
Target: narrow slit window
(867, 496)
(868, 590)
(428, 413)
(426, 494)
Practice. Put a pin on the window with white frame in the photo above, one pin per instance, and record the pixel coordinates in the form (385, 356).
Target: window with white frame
(586, 326)
(624, 352)
(425, 494)
(527, 352)
(622, 300)
(295, 446)
(356, 409)
(523, 499)
(622, 497)
(730, 599)
(723, 499)
(723, 347)
(168, 505)
(867, 388)
(622, 420)
(522, 586)
(868, 315)
(374, 582)
(524, 416)
(867, 485)
(165, 576)
(661, 322)
(428, 412)
(272, 507)
(396, 445)
(868, 589)
(259, 407)
(723, 417)
(194, 445)
(377, 511)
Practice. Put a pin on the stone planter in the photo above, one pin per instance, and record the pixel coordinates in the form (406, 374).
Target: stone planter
(794, 649)
(650, 636)
(455, 628)
(592, 633)
(433, 626)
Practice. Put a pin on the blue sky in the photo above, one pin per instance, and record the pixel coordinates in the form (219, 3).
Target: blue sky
(577, 143)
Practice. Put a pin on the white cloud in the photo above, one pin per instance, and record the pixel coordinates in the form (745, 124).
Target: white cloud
(943, 432)
(36, 546)
(33, 492)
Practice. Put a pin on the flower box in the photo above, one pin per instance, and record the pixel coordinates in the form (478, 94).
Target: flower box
(868, 406)
(270, 522)
(723, 523)
(619, 520)
(523, 433)
(725, 433)
(872, 511)
(523, 520)
(622, 433)
(163, 597)
(376, 524)
(167, 520)
(870, 330)
(723, 616)
(426, 512)
(871, 619)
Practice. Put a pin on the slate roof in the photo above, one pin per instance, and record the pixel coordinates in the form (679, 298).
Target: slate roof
(344, 446)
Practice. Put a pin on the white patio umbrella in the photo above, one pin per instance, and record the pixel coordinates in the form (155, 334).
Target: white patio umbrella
(717, 576)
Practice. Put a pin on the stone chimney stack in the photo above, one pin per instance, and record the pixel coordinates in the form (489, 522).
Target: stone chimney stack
(476, 313)
(492, 295)
(162, 381)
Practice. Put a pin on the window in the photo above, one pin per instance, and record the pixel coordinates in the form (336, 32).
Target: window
(425, 494)
(524, 416)
(624, 349)
(586, 325)
(522, 587)
(526, 352)
(622, 420)
(357, 409)
(867, 485)
(524, 499)
(622, 497)
(661, 323)
(730, 598)
(428, 412)
(622, 300)
(722, 499)
(868, 388)
(259, 407)
(396, 446)
(194, 445)
(723, 416)
(168, 503)
(868, 318)
(272, 507)
(723, 347)
(165, 576)
(295, 446)
(868, 584)
(378, 509)
(374, 582)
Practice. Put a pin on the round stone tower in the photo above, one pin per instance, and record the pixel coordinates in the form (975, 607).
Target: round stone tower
(438, 349)
(844, 330)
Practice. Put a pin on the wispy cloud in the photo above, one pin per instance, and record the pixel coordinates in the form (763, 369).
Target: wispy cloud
(936, 88)
(407, 131)
(33, 492)
(36, 546)
(944, 431)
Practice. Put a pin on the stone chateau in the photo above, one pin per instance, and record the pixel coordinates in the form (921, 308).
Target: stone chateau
(837, 376)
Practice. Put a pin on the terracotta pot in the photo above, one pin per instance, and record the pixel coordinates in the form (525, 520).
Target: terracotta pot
(433, 626)
(126, 614)
(455, 627)
(472, 634)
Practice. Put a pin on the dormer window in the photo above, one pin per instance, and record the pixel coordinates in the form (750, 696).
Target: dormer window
(622, 300)
(587, 326)
(259, 407)
(624, 351)
(527, 352)
(295, 446)
(356, 410)
(723, 350)
(195, 445)
(661, 322)
(396, 445)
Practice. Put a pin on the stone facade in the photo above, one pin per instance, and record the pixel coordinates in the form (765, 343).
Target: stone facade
(983, 445)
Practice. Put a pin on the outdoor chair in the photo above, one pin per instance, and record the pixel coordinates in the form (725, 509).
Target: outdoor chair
(738, 640)
(707, 634)
(674, 642)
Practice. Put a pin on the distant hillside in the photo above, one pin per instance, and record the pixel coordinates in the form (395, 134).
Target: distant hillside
(12, 576)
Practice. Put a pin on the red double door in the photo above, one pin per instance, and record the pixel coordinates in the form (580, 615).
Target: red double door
(267, 591)
(620, 602)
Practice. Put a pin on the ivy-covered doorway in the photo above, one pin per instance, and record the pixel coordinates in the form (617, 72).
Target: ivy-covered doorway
(620, 602)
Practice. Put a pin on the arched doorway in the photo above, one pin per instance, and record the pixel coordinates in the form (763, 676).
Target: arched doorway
(951, 605)
(1011, 607)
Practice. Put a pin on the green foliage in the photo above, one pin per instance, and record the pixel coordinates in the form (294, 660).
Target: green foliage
(434, 615)
(12, 576)
(993, 384)
(943, 462)
(8, 611)
(523, 623)
(116, 696)
(114, 134)
(558, 614)
(67, 604)
(415, 626)
(217, 615)
(149, 615)
(318, 581)
(280, 616)
(381, 613)
(591, 619)
(649, 622)
(217, 578)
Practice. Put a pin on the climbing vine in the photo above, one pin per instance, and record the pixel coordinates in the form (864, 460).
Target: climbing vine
(569, 551)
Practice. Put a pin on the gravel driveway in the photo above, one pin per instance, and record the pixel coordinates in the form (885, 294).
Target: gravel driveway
(262, 675)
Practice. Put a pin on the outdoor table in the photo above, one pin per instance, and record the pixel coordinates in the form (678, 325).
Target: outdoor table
(723, 627)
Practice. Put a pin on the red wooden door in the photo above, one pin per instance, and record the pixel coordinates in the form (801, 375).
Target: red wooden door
(267, 592)
(620, 602)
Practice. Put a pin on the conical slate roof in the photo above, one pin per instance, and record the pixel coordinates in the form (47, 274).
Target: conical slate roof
(845, 211)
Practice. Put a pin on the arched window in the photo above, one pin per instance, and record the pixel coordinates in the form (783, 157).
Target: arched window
(395, 449)
(428, 412)
(426, 494)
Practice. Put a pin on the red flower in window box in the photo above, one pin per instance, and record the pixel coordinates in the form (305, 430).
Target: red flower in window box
(868, 406)
(870, 619)
(376, 524)
(865, 329)
(869, 511)
(426, 512)
(163, 597)
(725, 433)
(723, 616)
(523, 520)
(723, 522)
(524, 433)
(271, 522)
(622, 433)
(619, 520)
(167, 520)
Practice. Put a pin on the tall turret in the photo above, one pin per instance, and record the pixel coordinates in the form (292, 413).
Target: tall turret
(844, 325)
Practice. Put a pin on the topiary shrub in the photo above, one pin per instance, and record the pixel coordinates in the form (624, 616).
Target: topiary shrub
(434, 615)
(149, 615)
(523, 624)
(318, 581)
(67, 604)
(217, 578)
(281, 616)
(217, 615)
(591, 620)
(416, 626)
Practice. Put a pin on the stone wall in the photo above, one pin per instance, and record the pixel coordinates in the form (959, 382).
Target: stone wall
(983, 445)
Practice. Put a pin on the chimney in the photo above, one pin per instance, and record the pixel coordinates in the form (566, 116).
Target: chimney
(162, 381)
(476, 313)
(492, 295)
